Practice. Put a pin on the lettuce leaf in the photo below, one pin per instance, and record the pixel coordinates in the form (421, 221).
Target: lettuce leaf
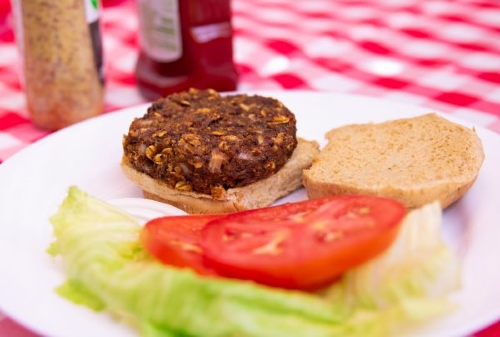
(410, 282)
(108, 269)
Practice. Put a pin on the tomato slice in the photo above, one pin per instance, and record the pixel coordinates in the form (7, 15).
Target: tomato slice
(304, 245)
(175, 240)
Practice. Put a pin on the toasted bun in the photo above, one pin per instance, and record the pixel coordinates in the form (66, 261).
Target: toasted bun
(415, 160)
(259, 194)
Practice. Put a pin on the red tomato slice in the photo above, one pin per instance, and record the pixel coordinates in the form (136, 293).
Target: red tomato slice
(305, 245)
(175, 240)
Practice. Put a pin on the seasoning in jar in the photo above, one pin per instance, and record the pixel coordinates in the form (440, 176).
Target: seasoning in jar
(185, 44)
(60, 45)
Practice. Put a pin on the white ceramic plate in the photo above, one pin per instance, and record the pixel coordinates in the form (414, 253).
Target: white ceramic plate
(34, 182)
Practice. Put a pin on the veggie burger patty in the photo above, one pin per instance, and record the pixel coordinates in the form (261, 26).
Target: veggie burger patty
(202, 142)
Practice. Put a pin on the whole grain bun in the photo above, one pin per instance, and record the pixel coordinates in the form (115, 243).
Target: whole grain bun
(259, 194)
(415, 160)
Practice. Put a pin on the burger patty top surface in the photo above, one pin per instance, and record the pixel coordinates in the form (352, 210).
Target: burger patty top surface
(202, 142)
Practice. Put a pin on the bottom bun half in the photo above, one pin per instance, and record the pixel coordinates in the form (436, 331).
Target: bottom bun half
(259, 194)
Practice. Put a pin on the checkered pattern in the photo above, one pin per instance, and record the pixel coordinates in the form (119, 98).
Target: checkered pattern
(441, 54)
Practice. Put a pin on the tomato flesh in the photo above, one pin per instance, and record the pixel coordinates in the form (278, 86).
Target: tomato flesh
(175, 240)
(304, 245)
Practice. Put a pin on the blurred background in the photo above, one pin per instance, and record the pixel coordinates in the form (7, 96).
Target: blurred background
(441, 54)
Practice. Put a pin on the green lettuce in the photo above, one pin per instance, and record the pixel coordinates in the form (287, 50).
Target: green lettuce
(107, 269)
(410, 282)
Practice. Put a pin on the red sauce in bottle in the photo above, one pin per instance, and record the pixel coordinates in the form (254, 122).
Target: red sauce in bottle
(184, 44)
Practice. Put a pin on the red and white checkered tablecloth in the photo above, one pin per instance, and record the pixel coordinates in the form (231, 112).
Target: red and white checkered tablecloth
(441, 54)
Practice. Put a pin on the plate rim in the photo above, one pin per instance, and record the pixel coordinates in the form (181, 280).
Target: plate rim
(134, 110)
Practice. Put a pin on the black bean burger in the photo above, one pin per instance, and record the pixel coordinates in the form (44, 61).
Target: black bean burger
(207, 153)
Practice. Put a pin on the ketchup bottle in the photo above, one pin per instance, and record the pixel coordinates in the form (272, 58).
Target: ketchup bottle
(184, 44)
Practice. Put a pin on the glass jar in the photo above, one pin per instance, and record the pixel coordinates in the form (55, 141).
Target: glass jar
(61, 52)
